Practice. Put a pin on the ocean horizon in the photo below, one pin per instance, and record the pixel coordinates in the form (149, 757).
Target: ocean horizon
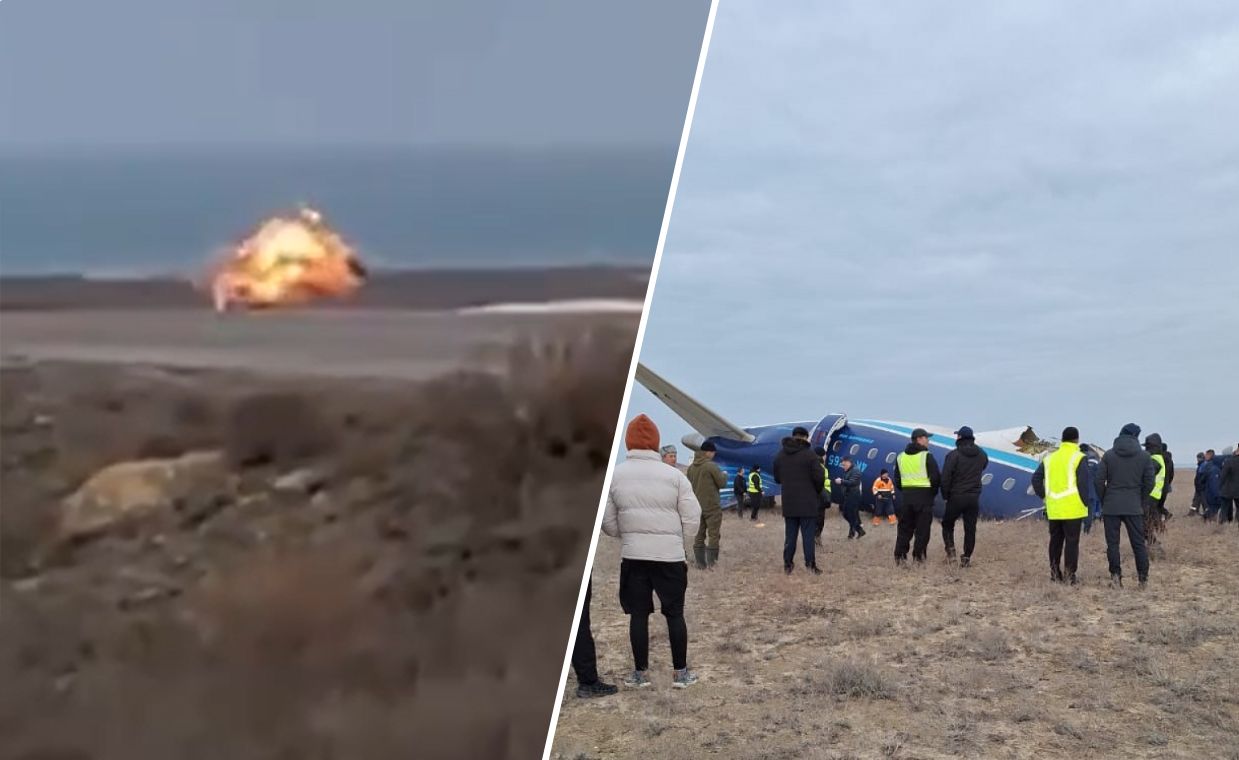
(132, 213)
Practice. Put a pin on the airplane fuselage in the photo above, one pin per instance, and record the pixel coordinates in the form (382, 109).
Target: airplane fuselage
(873, 445)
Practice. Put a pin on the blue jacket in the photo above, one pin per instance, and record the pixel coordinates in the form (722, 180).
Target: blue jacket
(1201, 468)
(1213, 485)
(1090, 488)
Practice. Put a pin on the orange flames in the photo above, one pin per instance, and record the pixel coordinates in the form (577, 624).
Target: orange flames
(287, 261)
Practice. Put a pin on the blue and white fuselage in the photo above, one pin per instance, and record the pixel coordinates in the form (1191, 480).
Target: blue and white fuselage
(873, 445)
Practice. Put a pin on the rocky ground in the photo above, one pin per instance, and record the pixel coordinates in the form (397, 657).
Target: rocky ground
(868, 661)
(219, 564)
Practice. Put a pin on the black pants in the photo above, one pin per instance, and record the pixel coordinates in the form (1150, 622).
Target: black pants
(821, 518)
(967, 506)
(755, 500)
(918, 520)
(640, 580)
(584, 657)
(1065, 540)
(851, 511)
(802, 527)
(1135, 536)
(740, 504)
(1228, 510)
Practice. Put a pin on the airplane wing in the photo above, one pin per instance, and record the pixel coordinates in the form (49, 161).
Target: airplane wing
(690, 409)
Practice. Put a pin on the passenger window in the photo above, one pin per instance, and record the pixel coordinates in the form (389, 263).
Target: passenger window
(987, 478)
(1031, 491)
(855, 448)
(891, 458)
(838, 445)
(1008, 484)
(872, 453)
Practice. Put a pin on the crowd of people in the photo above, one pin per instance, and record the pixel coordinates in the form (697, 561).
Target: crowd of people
(652, 507)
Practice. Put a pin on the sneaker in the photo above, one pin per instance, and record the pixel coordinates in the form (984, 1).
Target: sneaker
(860, 532)
(684, 679)
(595, 689)
(1056, 575)
(815, 569)
(965, 561)
(637, 679)
(1143, 584)
(1116, 580)
(877, 521)
(1071, 580)
(787, 568)
(891, 519)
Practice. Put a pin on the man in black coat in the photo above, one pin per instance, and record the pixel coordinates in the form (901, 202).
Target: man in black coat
(961, 487)
(738, 487)
(1230, 487)
(1125, 479)
(917, 479)
(800, 473)
(849, 481)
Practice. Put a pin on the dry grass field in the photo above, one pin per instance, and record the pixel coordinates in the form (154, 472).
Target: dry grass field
(867, 661)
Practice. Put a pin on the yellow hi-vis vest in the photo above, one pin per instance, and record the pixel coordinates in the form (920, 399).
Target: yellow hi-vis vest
(1159, 482)
(755, 483)
(826, 480)
(1062, 493)
(912, 471)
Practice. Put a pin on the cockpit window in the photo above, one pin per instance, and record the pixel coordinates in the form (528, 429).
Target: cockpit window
(1008, 484)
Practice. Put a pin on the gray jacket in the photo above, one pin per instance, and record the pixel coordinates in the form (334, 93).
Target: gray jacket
(1125, 477)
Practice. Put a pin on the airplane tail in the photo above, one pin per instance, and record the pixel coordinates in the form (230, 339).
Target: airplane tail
(692, 411)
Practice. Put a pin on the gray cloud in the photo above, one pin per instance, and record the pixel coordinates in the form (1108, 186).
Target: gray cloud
(1013, 215)
(86, 72)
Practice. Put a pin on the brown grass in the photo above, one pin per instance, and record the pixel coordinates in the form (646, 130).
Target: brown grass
(419, 608)
(868, 661)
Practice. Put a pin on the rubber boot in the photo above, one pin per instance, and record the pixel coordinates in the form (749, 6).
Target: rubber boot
(711, 557)
(699, 554)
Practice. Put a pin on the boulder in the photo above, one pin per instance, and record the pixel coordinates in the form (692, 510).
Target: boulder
(131, 490)
(305, 480)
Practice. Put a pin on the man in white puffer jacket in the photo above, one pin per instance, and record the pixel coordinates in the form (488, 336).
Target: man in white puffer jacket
(651, 509)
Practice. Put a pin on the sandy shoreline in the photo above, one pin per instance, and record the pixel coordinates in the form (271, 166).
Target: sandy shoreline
(430, 290)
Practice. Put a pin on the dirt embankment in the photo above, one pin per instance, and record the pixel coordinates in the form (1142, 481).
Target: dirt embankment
(993, 661)
(332, 569)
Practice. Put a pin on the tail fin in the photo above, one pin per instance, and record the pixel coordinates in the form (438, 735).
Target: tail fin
(690, 409)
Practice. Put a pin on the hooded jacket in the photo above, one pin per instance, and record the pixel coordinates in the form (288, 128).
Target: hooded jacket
(706, 478)
(799, 471)
(738, 485)
(1125, 477)
(918, 496)
(1230, 477)
(1153, 445)
(650, 508)
(963, 468)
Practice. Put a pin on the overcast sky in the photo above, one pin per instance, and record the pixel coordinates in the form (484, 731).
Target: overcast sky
(1004, 214)
(91, 72)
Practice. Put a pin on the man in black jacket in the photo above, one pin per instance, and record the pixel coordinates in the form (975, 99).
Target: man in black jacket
(799, 471)
(737, 487)
(1230, 487)
(961, 487)
(1125, 479)
(916, 479)
(849, 481)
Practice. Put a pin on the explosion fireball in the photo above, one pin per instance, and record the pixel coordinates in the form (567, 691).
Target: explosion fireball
(288, 260)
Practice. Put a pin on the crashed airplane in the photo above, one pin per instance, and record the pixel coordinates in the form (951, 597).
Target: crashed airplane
(1007, 492)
